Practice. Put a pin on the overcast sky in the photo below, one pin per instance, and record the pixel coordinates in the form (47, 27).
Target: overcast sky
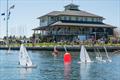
(23, 16)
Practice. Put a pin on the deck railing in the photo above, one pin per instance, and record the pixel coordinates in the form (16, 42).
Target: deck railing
(65, 33)
(47, 33)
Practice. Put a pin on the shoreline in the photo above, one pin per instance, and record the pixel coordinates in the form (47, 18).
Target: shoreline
(69, 48)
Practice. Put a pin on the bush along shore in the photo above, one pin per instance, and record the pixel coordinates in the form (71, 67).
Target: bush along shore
(60, 46)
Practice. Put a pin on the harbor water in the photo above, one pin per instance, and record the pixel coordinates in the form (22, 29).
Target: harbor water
(53, 68)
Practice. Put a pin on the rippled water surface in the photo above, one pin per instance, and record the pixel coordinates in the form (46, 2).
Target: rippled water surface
(51, 68)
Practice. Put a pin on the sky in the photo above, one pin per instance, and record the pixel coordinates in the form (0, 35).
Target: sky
(23, 17)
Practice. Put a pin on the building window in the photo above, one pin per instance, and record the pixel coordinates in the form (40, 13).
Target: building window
(62, 17)
(52, 18)
(89, 19)
(85, 18)
(97, 20)
(69, 17)
(94, 19)
(81, 18)
(65, 18)
(57, 18)
(100, 19)
(42, 20)
(77, 19)
(73, 18)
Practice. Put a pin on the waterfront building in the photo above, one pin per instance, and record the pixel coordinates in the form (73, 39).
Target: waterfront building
(72, 24)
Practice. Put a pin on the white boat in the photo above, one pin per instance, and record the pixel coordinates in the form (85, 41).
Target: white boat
(99, 56)
(108, 58)
(99, 59)
(24, 59)
(9, 50)
(84, 56)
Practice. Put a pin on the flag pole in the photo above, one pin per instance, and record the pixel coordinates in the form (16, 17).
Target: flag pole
(0, 16)
(7, 41)
(71, 1)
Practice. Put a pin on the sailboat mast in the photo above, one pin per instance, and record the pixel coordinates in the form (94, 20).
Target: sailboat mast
(106, 52)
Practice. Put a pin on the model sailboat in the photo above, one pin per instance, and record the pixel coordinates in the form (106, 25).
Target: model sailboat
(24, 59)
(84, 57)
(55, 52)
(99, 56)
(9, 50)
(108, 58)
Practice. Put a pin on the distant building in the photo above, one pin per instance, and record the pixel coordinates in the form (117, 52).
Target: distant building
(72, 24)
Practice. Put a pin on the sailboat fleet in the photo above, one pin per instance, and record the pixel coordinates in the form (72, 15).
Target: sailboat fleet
(26, 62)
(85, 58)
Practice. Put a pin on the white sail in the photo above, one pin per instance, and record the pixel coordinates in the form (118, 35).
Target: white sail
(24, 58)
(108, 58)
(99, 56)
(9, 49)
(84, 57)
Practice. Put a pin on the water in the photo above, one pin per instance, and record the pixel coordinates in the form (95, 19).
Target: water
(50, 68)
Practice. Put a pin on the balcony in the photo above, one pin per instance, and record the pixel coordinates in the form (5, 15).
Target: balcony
(48, 33)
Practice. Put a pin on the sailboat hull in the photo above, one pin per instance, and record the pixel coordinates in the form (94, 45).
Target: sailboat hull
(84, 62)
(32, 66)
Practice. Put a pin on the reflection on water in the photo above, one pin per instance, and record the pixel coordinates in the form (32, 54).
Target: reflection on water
(53, 68)
(84, 71)
(24, 72)
(67, 71)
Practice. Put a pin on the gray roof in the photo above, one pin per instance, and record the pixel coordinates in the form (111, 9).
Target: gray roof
(59, 23)
(71, 5)
(40, 28)
(71, 13)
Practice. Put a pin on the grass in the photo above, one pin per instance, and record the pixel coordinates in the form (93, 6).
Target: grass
(44, 44)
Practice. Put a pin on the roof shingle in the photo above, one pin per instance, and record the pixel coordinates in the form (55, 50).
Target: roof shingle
(71, 13)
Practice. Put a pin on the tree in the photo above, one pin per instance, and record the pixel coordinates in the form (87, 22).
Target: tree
(117, 32)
